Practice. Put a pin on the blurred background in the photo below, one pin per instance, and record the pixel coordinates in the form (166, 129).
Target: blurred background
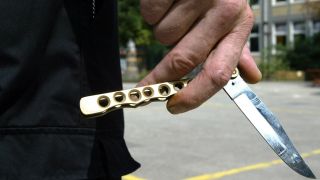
(216, 141)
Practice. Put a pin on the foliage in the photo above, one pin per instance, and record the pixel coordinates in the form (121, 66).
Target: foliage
(272, 63)
(131, 24)
(305, 54)
(154, 53)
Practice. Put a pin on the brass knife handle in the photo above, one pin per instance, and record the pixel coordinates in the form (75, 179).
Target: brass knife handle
(100, 104)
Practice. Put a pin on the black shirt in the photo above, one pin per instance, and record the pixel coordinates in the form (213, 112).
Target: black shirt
(53, 52)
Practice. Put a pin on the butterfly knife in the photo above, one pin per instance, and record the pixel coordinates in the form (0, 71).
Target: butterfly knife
(247, 101)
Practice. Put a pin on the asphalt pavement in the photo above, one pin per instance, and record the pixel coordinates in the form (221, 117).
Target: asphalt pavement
(216, 141)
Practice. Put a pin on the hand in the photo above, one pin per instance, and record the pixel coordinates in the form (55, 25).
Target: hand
(212, 32)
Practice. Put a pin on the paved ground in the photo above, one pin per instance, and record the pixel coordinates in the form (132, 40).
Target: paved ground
(215, 141)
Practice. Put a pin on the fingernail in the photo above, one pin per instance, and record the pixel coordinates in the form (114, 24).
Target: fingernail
(173, 110)
(176, 109)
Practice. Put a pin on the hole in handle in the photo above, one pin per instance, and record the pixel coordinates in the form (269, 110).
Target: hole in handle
(164, 90)
(178, 86)
(148, 91)
(103, 101)
(134, 95)
(119, 97)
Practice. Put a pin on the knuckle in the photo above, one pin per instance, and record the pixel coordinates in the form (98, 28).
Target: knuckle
(249, 17)
(180, 63)
(148, 12)
(247, 21)
(249, 14)
(219, 77)
(232, 9)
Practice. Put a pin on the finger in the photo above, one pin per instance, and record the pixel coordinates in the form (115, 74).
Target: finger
(193, 48)
(248, 68)
(178, 20)
(216, 72)
(153, 10)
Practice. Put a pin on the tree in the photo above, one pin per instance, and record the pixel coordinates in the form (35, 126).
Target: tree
(305, 54)
(131, 24)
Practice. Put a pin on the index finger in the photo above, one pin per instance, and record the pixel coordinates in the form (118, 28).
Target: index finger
(216, 72)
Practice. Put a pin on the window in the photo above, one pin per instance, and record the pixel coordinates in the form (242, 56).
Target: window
(254, 39)
(316, 26)
(254, 2)
(279, 2)
(298, 1)
(281, 34)
(299, 31)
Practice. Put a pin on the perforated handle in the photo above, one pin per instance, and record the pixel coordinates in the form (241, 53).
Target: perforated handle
(98, 105)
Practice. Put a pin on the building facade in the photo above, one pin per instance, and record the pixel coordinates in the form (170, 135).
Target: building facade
(282, 22)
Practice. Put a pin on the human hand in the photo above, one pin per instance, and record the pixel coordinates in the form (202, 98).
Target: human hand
(212, 32)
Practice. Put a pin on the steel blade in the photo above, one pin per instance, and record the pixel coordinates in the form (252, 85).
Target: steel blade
(267, 125)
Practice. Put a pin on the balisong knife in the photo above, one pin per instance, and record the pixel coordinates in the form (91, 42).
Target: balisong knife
(252, 107)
